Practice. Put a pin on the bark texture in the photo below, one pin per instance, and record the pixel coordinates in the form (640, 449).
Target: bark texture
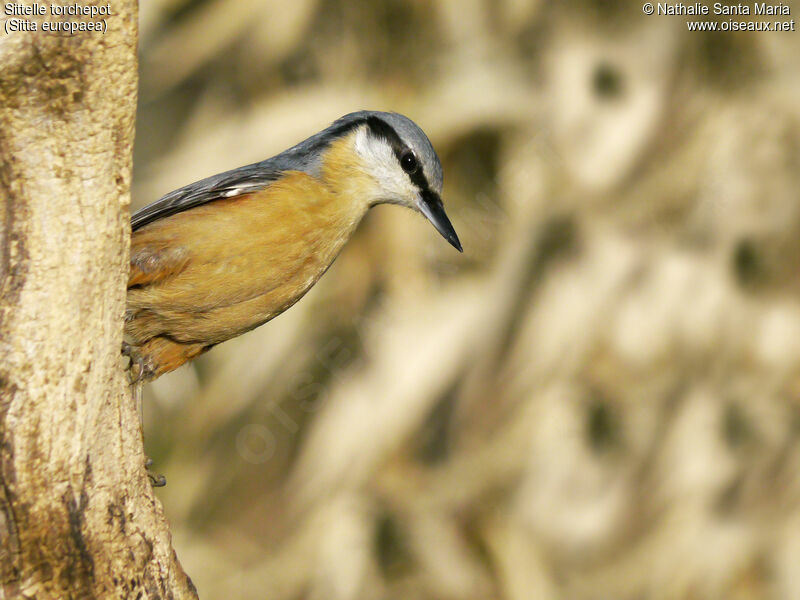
(78, 518)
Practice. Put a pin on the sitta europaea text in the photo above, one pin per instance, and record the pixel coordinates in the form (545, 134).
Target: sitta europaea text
(222, 256)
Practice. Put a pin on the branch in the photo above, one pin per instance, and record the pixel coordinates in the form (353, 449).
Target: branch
(78, 518)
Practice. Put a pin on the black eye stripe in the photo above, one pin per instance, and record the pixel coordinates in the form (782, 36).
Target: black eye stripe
(418, 179)
(381, 128)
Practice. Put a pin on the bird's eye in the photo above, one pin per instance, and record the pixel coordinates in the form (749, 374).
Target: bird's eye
(409, 162)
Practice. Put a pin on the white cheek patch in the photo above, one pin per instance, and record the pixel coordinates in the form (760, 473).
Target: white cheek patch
(381, 163)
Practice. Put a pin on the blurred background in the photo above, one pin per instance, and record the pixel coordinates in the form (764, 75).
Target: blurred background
(597, 400)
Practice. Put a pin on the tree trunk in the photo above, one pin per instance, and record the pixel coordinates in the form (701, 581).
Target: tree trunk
(78, 518)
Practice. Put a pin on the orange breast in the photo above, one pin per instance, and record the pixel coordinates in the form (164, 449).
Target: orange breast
(233, 264)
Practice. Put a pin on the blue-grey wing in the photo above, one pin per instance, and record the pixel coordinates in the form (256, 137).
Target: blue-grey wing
(243, 180)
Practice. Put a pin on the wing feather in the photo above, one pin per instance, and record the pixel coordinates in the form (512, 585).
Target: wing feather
(223, 185)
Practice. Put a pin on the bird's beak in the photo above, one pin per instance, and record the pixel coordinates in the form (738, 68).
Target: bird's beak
(431, 206)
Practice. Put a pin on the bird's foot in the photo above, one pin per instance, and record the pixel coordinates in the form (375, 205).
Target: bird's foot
(156, 479)
(126, 353)
(140, 369)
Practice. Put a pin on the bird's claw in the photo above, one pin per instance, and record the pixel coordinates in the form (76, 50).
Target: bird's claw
(156, 479)
(141, 369)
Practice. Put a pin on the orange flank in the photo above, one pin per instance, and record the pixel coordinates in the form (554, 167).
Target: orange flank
(212, 272)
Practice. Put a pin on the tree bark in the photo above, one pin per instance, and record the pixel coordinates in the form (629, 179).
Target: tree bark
(78, 518)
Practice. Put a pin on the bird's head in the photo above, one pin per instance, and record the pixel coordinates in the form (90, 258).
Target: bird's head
(401, 164)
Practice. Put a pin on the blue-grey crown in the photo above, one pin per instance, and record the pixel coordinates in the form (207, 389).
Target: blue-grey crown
(307, 155)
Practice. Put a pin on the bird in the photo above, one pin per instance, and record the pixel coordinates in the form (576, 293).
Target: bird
(221, 256)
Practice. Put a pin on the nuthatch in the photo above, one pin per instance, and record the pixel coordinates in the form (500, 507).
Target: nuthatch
(222, 256)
